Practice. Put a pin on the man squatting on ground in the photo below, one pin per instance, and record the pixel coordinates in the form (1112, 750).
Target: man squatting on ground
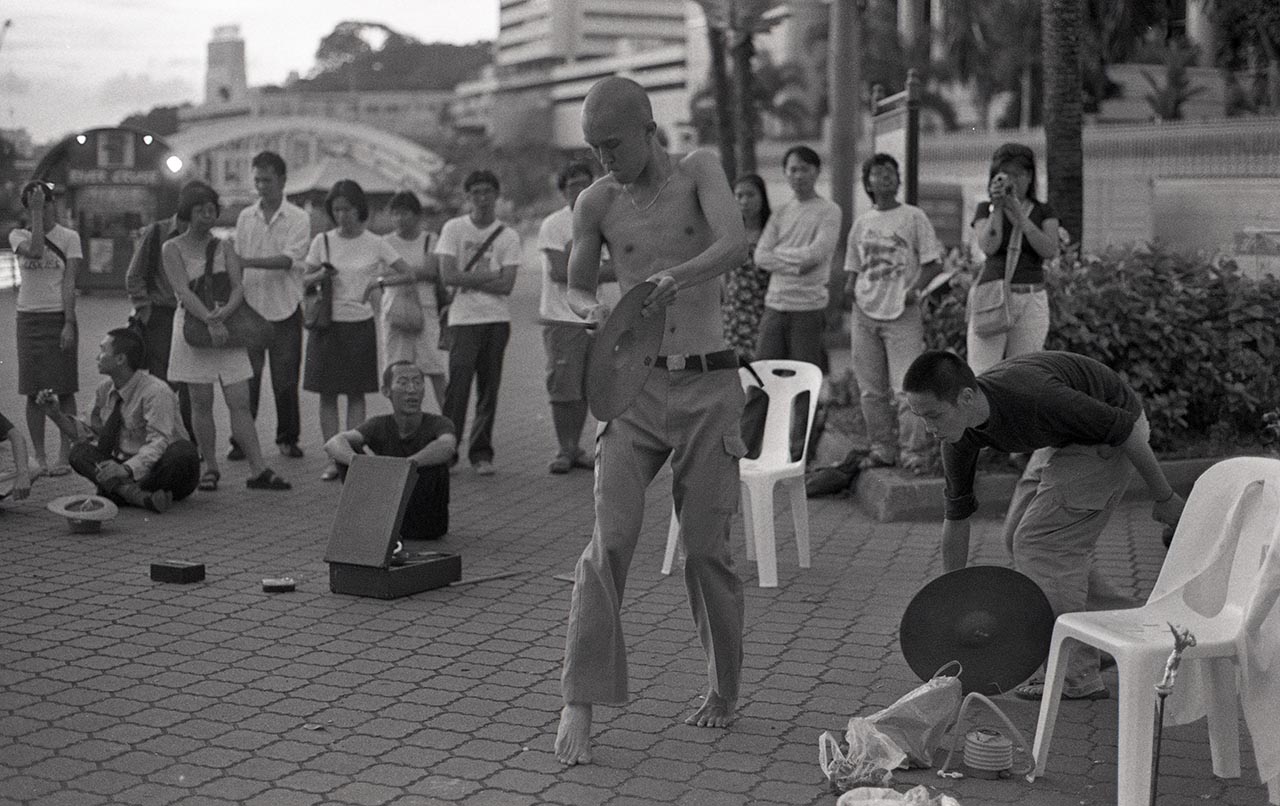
(408, 432)
(1087, 429)
(135, 447)
(671, 221)
(567, 343)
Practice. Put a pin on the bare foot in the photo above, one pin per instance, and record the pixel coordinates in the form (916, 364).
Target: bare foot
(573, 737)
(716, 712)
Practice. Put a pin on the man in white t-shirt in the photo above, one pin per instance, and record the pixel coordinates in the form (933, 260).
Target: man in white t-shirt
(272, 237)
(892, 255)
(567, 345)
(479, 257)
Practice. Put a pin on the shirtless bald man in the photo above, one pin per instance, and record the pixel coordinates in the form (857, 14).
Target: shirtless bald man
(672, 221)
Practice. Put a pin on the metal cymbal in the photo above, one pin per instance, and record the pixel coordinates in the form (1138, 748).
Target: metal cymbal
(995, 621)
(623, 353)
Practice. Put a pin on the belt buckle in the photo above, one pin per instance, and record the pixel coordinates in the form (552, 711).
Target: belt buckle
(675, 363)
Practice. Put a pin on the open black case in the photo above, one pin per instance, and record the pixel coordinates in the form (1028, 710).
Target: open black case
(367, 527)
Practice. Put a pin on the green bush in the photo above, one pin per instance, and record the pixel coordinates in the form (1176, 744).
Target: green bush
(1195, 338)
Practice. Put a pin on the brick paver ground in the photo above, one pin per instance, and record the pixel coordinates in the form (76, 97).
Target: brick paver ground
(118, 690)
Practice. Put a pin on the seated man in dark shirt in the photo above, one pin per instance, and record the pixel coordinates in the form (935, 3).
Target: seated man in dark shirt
(428, 439)
(1087, 430)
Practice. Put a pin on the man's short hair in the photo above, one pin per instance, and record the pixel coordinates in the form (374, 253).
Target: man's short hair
(196, 194)
(406, 200)
(389, 374)
(873, 161)
(129, 344)
(804, 154)
(481, 177)
(350, 190)
(272, 162)
(572, 169)
(940, 373)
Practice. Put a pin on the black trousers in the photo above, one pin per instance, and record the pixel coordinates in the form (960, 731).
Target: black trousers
(285, 352)
(158, 333)
(477, 355)
(177, 470)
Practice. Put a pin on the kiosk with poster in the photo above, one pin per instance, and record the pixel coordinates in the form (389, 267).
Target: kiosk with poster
(114, 182)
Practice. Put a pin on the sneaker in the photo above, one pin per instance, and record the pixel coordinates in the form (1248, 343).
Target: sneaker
(235, 454)
(484, 468)
(160, 501)
(559, 466)
(290, 450)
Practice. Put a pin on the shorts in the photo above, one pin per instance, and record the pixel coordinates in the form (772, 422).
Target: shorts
(567, 349)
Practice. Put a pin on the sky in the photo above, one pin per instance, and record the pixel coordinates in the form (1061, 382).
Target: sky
(72, 64)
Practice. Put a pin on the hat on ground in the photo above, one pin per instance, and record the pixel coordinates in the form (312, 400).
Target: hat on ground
(84, 513)
(995, 621)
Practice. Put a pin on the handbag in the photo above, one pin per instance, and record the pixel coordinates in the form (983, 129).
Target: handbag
(317, 300)
(989, 302)
(447, 336)
(754, 414)
(245, 326)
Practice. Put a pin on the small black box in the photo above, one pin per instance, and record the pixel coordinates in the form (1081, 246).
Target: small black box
(179, 571)
(367, 527)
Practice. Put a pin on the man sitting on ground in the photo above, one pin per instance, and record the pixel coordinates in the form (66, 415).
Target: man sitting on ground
(408, 432)
(135, 447)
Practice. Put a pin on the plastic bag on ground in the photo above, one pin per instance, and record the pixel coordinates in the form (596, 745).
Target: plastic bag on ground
(917, 722)
(857, 767)
(873, 796)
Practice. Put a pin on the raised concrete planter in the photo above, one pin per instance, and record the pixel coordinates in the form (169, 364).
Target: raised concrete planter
(892, 495)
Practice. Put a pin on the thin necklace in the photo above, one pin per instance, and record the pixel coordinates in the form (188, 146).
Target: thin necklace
(655, 196)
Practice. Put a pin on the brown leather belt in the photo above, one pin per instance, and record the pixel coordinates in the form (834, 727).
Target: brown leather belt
(724, 359)
(1025, 288)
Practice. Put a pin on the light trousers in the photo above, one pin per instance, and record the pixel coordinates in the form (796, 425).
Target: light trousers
(1030, 314)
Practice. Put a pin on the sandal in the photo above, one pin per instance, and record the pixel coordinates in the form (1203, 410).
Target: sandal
(209, 481)
(1035, 691)
(59, 470)
(268, 480)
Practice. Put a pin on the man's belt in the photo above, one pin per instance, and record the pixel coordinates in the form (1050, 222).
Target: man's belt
(724, 359)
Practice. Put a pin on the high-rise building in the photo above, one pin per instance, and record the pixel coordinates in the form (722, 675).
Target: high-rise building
(225, 80)
(542, 33)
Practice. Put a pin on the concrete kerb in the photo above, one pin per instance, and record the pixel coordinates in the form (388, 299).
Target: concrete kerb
(890, 495)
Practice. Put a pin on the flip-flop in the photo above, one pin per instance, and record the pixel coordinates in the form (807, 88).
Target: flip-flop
(59, 470)
(1035, 691)
(874, 460)
(268, 480)
(209, 481)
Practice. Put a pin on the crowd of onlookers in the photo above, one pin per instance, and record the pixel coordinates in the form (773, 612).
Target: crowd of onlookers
(347, 313)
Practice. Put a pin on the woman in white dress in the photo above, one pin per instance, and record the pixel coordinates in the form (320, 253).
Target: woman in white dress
(415, 246)
(201, 367)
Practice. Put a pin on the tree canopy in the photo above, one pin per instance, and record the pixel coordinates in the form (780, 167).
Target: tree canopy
(372, 56)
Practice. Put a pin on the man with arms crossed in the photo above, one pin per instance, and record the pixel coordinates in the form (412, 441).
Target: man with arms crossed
(671, 221)
(272, 238)
(1087, 430)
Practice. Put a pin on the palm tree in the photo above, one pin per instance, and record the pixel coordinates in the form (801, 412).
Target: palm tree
(1061, 24)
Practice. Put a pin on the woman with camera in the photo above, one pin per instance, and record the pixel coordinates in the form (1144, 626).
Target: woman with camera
(1016, 261)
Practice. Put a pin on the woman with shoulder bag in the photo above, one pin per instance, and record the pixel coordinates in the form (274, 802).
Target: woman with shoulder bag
(185, 258)
(1012, 319)
(420, 345)
(342, 359)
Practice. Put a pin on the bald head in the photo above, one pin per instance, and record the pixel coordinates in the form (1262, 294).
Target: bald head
(620, 100)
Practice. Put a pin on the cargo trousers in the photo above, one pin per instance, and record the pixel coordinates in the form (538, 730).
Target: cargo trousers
(694, 418)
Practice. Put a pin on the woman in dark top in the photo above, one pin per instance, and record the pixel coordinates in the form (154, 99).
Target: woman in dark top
(1013, 204)
(745, 286)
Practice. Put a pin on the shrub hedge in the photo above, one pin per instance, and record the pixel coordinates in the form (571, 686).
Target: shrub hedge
(1195, 338)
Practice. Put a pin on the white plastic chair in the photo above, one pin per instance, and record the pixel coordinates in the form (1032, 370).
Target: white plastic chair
(1209, 578)
(784, 381)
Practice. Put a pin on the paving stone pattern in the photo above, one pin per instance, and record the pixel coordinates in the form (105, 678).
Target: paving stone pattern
(118, 690)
